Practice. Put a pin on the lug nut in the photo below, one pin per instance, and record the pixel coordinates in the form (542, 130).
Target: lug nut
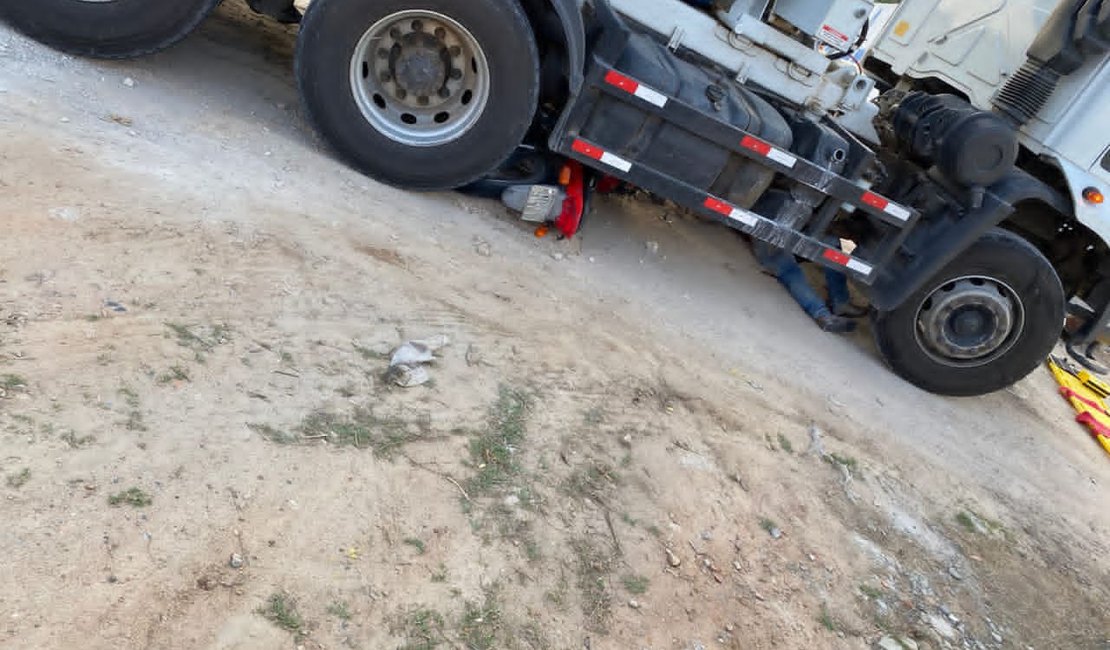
(402, 93)
(456, 73)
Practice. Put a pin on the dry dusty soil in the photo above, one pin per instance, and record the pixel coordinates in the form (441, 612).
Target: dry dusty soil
(624, 445)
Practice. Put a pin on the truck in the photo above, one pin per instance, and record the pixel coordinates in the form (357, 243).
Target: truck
(955, 172)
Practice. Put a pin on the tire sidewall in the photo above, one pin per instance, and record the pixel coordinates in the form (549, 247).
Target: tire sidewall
(119, 29)
(1005, 257)
(329, 35)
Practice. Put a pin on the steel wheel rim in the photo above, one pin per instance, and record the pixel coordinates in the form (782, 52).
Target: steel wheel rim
(420, 78)
(969, 321)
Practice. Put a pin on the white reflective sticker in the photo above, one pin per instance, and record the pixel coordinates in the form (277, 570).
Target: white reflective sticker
(651, 96)
(897, 211)
(616, 161)
(859, 267)
(781, 157)
(744, 217)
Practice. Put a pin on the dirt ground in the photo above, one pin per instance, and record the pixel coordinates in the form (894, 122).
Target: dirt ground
(633, 440)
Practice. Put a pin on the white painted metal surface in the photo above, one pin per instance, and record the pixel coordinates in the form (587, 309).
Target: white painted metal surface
(758, 54)
(973, 45)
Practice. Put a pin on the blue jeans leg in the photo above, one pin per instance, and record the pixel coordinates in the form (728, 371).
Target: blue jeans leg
(784, 267)
(837, 284)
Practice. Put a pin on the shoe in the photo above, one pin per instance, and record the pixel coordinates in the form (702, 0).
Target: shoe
(835, 324)
(850, 311)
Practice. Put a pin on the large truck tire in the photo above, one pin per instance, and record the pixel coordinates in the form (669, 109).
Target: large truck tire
(983, 323)
(421, 94)
(106, 29)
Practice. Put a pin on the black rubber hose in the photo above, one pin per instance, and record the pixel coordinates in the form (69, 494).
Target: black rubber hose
(859, 41)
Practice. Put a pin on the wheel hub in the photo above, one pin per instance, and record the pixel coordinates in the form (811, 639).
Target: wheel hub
(420, 78)
(969, 321)
(422, 66)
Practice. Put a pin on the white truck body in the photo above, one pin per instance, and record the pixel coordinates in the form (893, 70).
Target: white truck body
(975, 46)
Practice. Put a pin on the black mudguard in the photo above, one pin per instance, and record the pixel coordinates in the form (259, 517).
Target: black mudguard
(890, 291)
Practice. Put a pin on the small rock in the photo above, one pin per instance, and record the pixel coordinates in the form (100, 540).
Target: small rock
(891, 643)
(881, 607)
(706, 535)
(941, 626)
(66, 213)
(652, 247)
(483, 248)
(627, 440)
(64, 120)
(634, 604)
(816, 442)
(672, 559)
(235, 561)
(558, 257)
(730, 628)
(775, 532)
(129, 82)
(955, 573)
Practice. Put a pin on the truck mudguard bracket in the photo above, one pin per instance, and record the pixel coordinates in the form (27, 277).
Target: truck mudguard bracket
(944, 245)
(574, 29)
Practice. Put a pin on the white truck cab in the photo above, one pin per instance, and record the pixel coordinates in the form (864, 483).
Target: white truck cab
(976, 47)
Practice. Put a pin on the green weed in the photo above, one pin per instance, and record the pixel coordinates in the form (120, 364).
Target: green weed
(363, 429)
(134, 497)
(481, 623)
(635, 584)
(20, 478)
(493, 451)
(273, 434)
(416, 544)
(281, 610)
(423, 629)
(340, 610)
(175, 373)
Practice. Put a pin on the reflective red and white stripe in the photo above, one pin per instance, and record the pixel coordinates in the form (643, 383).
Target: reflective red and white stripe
(846, 260)
(766, 149)
(749, 219)
(630, 85)
(601, 155)
(886, 205)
